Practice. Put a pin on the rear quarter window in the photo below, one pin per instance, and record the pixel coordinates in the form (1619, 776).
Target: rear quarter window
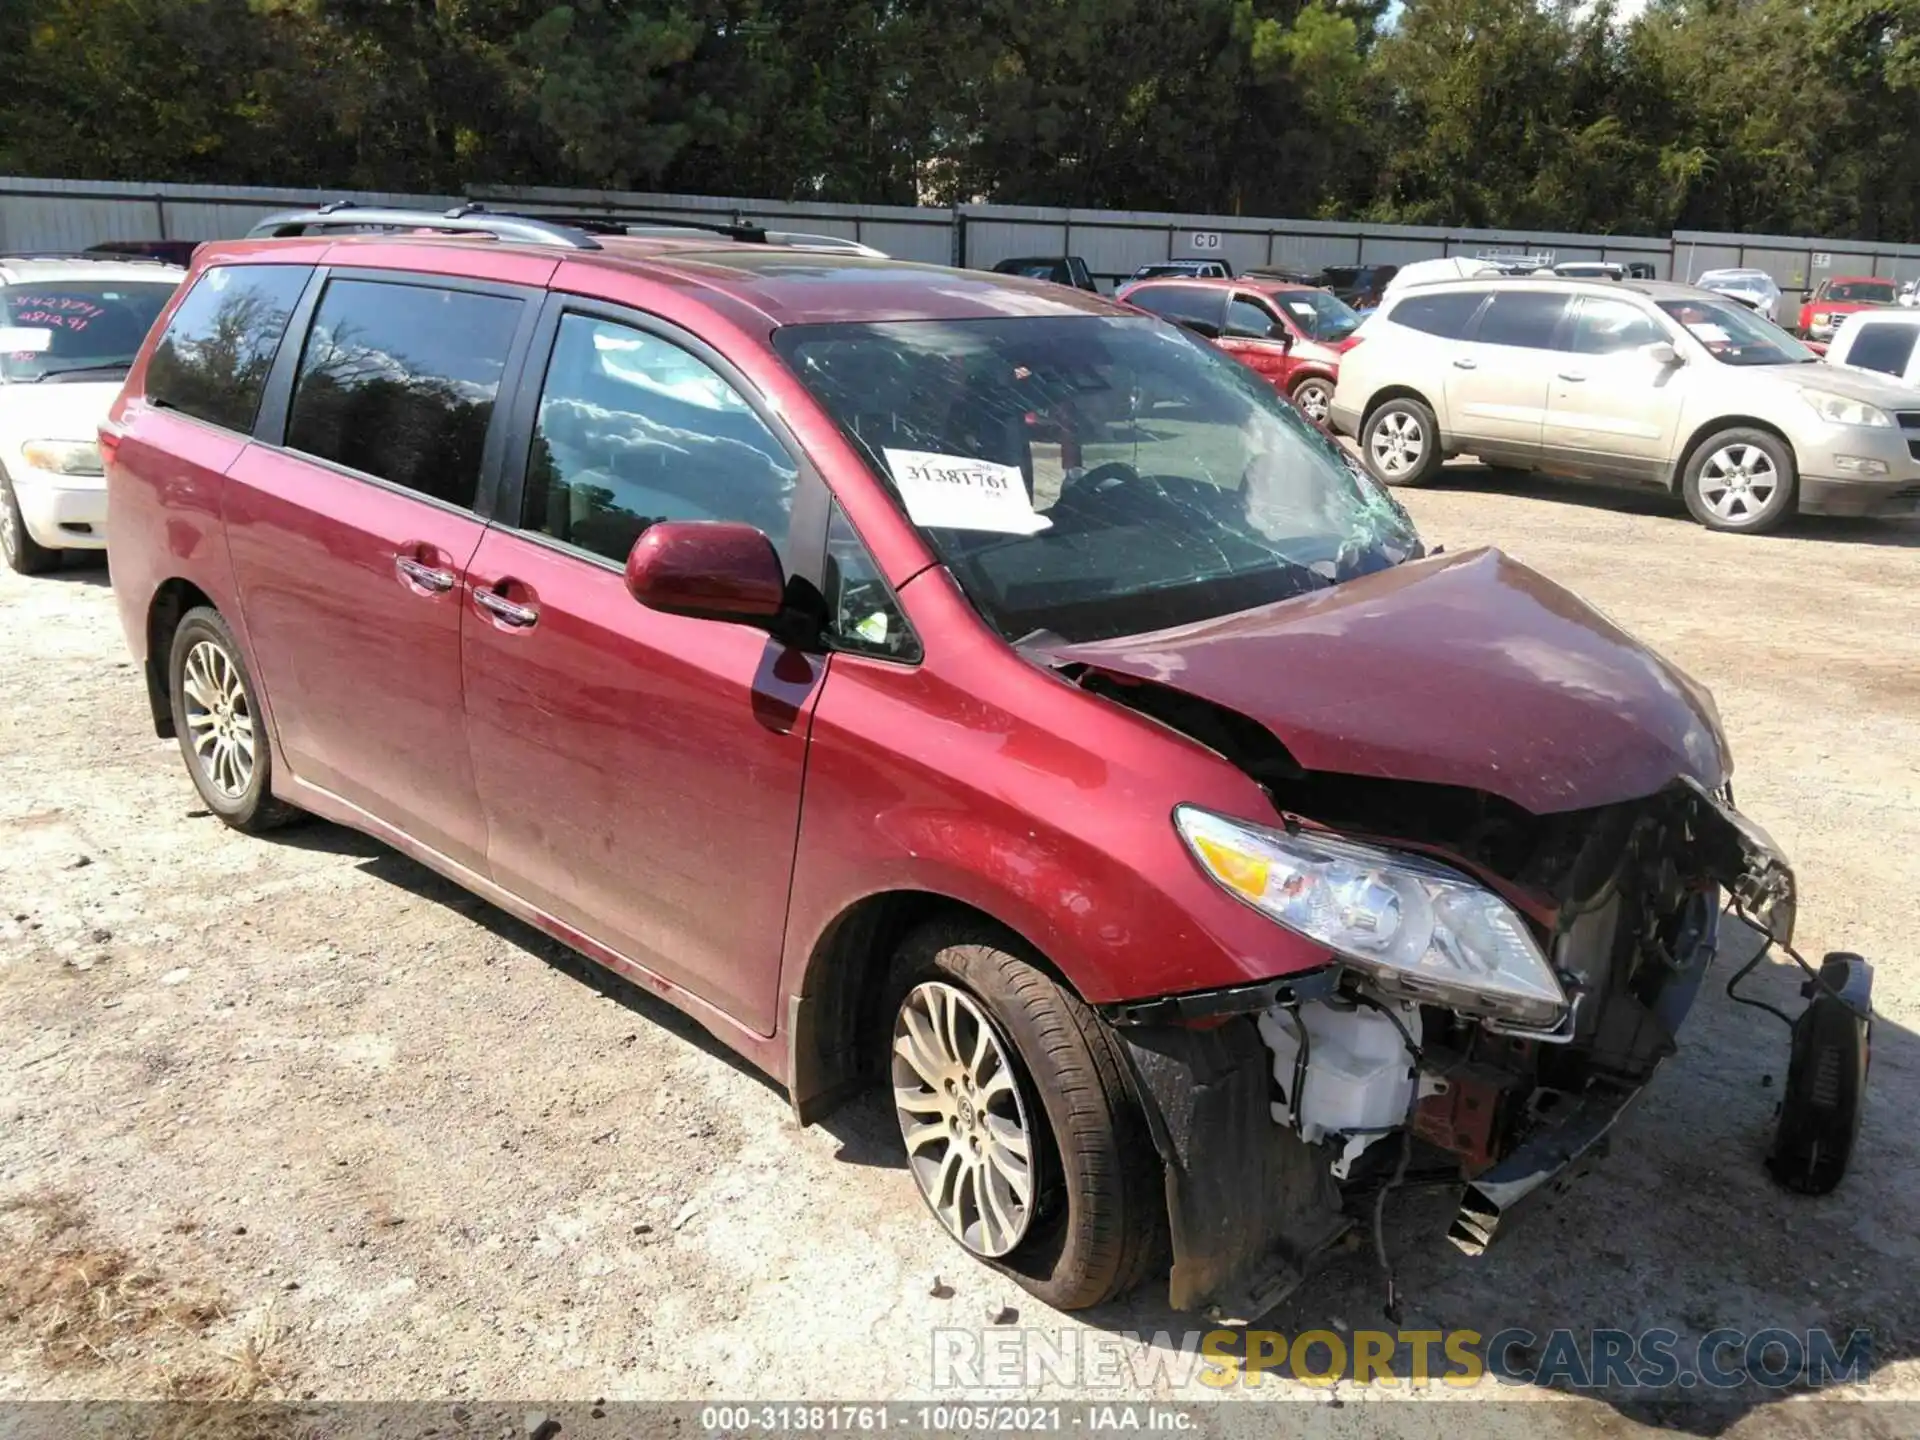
(212, 360)
(1448, 315)
(1886, 348)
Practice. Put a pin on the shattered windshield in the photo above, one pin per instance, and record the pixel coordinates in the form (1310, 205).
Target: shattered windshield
(1091, 476)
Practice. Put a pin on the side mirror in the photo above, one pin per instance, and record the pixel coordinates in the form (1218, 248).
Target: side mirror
(1662, 353)
(1279, 331)
(710, 570)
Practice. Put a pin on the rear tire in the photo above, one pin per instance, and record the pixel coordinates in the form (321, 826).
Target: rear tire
(223, 734)
(1400, 443)
(1741, 480)
(1094, 1223)
(1311, 397)
(24, 555)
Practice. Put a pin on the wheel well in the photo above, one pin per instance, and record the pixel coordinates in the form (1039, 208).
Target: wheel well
(1391, 392)
(170, 604)
(841, 1007)
(1714, 427)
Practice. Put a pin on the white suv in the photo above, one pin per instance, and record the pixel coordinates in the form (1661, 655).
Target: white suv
(1637, 380)
(69, 328)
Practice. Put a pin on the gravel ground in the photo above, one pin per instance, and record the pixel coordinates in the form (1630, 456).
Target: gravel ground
(304, 1119)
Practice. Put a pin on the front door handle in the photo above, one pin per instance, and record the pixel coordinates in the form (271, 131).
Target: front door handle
(1463, 363)
(1573, 375)
(506, 611)
(423, 574)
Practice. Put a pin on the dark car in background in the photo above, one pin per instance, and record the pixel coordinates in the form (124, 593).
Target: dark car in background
(1361, 286)
(1068, 270)
(171, 252)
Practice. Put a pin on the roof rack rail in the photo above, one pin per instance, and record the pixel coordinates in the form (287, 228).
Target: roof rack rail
(642, 226)
(467, 219)
(98, 256)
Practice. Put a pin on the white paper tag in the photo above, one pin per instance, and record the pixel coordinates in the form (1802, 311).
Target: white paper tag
(1710, 334)
(25, 340)
(951, 492)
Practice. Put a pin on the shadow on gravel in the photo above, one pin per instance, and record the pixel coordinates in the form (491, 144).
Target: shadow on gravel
(389, 865)
(1473, 478)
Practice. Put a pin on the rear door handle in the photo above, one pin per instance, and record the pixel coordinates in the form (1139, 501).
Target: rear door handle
(423, 574)
(1573, 375)
(1463, 363)
(506, 611)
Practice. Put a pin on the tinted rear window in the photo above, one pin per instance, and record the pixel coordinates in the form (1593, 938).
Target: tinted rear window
(212, 362)
(1447, 316)
(399, 381)
(1526, 318)
(1887, 348)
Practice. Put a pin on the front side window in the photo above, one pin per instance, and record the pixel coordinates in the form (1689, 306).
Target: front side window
(1734, 335)
(1093, 476)
(1523, 318)
(399, 381)
(1886, 348)
(76, 329)
(1249, 320)
(1608, 327)
(1449, 315)
(634, 429)
(864, 616)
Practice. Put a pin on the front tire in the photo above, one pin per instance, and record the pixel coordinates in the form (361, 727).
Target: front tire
(1741, 480)
(1400, 443)
(223, 737)
(24, 555)
(1023, 1131)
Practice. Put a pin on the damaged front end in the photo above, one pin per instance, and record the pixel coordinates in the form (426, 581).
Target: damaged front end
(1500, 987)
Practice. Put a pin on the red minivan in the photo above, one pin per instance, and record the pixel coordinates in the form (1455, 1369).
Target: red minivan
(941, 681)
(1294, 335)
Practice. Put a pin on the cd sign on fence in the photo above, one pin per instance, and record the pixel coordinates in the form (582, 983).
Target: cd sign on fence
(1206, 239)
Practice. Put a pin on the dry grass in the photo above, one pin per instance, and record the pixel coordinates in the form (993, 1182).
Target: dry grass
(76, 1302)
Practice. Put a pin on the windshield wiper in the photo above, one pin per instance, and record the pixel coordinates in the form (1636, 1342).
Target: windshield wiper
(112, 367)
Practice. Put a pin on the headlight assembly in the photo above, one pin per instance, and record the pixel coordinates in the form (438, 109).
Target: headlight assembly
(1842, 410)
(1416, 928)
(63, 457)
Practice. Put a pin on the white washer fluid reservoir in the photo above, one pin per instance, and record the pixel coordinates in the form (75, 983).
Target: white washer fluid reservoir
(1359, 1075)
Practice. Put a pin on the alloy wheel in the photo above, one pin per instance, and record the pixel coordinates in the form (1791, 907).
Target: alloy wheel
(9, 526)
(1738, 483)
(219, 720)
(1398, 441)
(1312, 398)
(969, 1144)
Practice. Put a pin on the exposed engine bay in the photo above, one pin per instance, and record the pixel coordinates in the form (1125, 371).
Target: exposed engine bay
(1285, 1112)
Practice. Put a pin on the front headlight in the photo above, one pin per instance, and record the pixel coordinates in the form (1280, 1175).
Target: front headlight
(1840, 410)
(1417, 928)
(1821, 317)
(63, 457)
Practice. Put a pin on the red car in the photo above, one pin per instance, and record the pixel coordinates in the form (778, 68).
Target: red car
(948, 682)
(1292, 334)
(1840, 296)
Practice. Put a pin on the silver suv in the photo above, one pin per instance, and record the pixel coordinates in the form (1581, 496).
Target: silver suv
(1646, 381)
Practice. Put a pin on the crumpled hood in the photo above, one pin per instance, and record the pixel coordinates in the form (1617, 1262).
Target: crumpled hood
(1466, 669)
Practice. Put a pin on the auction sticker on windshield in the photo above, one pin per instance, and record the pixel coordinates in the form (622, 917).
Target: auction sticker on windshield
(952, 492)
